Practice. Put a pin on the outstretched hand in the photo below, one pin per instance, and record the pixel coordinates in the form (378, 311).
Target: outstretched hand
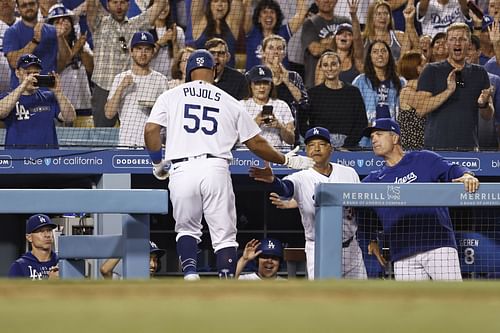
(282, 203)
(294, 161)
(250, 252)
(264, 174)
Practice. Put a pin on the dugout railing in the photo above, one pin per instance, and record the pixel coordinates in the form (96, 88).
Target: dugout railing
(132, 245)
(331, 199)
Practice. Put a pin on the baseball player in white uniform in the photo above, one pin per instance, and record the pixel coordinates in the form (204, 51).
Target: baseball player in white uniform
(301, 187)
(202, 124)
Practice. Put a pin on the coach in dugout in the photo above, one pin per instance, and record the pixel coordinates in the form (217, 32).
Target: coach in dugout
(41, 262)
(421, 239)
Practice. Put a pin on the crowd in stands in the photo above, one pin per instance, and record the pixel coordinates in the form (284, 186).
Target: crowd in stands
(339, 64)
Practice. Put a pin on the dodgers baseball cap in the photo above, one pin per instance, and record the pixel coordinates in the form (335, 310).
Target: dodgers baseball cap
(28, 59)
(382, 124)
(38, 221)
(271, 247)
(199, 59)
(153, 249)
(317, 133)
(259, 73)
(487, 21)
(58, 10)
(343, 27)
(142, 38)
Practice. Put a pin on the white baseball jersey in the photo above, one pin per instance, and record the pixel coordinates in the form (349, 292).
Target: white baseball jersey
(200, 119)
(132, 115)
(439, 17)
(305, 182)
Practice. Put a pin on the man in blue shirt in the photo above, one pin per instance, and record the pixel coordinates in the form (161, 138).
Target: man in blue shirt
(29, 112)
(41, 262)
(29, 35)
(421, 239)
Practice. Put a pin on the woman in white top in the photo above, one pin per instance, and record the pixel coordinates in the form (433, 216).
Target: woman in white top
(272, 115)
(169, 40)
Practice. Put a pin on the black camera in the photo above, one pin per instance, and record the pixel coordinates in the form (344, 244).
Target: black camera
(267, 113)
(48, 81)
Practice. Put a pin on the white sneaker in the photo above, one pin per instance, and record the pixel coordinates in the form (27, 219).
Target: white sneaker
(191, 277)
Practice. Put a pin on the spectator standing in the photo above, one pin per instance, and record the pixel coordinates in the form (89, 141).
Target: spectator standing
(289, 85)
(335, 105)
(29, 35)
(179, 67)
(29, 112)
(317, 36)
(380, 27)
(278, 125)
(169, 39)
(228, 79)
(421, 239)
(111, 35)
(439, 48)
(267, 19)
(40, 263)
(75, 74)
(425, 46)
(300, 186)
(269, 254)
(7, 19)
(454, 124)
(218, 18)
(379, 85)
(437, 15)
(134, 91)
(487, 131)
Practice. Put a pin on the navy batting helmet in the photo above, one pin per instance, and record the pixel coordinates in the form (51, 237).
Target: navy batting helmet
(271, 247)
(199, 59)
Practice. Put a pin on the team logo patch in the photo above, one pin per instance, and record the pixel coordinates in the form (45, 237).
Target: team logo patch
(361, 163)
(315, 131)
(261, 72)
(144, 37)
(270, 244)
(200, 61)
(47, 161)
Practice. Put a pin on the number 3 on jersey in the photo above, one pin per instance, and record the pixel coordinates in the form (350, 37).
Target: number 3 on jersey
(210, 124)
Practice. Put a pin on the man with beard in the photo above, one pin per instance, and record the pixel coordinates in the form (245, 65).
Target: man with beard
(268, 252)
(111, 35)
(228, 79)
(454, 123)
(7, 19)
(28, 35)
(134, 91)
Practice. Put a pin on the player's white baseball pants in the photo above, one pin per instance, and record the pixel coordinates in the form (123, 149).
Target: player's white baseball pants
(353, 266)
(203, 187)
(438, 264)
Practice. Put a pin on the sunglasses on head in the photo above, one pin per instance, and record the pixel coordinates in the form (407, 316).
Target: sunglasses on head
(123, 44)
(459, 80)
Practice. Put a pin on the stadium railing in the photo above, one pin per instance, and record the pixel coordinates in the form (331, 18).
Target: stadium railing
(332, 198)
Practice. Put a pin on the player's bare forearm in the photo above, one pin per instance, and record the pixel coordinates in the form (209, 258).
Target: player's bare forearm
(108, 266)
(260, 147)
(152, 137)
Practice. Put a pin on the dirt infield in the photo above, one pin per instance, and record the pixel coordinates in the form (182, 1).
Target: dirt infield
(172, 305)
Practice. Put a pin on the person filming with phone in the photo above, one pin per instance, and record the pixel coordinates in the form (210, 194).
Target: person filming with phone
(29, 112)
(273, 115)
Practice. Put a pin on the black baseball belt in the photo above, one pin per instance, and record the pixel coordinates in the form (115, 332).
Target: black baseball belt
(185, 159)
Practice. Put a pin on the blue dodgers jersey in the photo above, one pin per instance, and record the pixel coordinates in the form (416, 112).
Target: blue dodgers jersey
(31, 122)
(412, 230)
(28, 266)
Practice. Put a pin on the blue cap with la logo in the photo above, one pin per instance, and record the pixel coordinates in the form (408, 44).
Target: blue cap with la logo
(142, 38)
(38, 221)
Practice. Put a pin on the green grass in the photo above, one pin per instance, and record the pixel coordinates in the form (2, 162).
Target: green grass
(171, 305)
